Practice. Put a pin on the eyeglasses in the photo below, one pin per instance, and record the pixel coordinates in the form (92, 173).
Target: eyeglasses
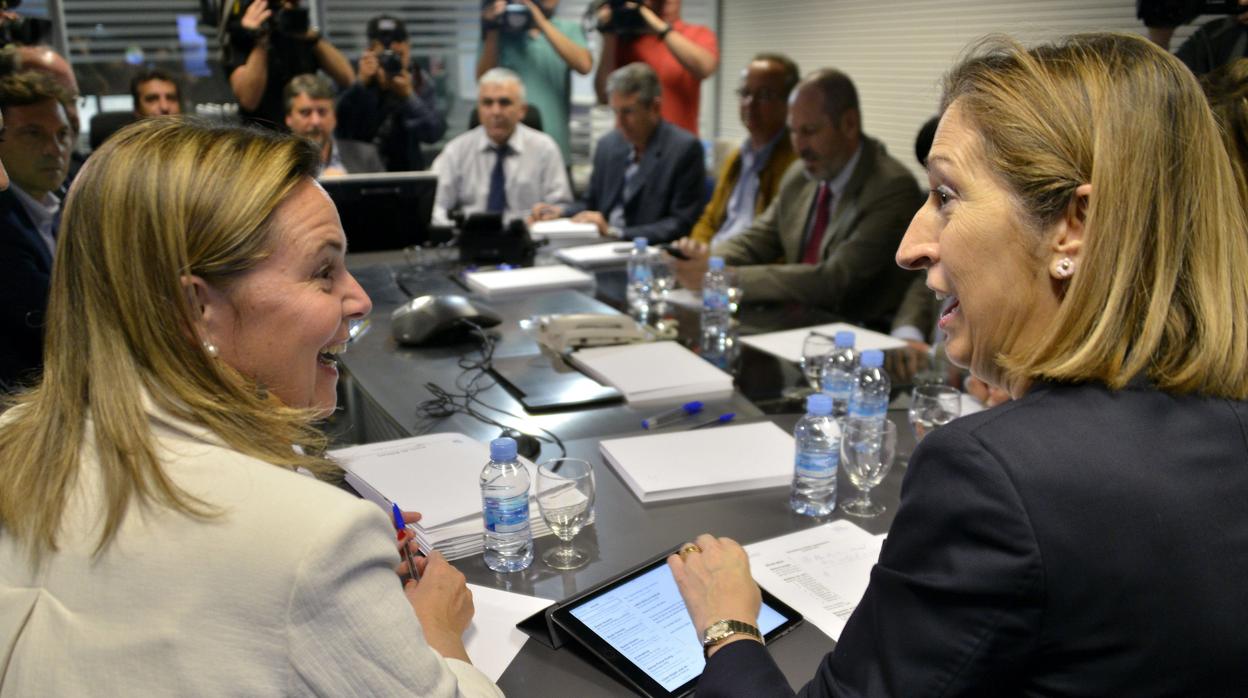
(763, 95)
(503, 102)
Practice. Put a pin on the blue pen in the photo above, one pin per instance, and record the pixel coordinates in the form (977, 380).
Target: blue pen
(399, 526)
(721, 419)
(675, 414)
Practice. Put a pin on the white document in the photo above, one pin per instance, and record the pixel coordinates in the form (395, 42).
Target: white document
(492, 640)
(788, 344)
(562, 229)
(821, 572)
(681, 464)
(654, 372)
(511, 282)
(596, 256)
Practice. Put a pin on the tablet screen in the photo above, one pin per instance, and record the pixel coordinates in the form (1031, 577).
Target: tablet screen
(644, 619)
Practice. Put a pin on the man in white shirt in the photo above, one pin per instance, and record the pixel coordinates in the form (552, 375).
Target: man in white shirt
(502, 165)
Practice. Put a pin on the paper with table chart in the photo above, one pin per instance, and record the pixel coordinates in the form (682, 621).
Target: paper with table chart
(512, 282)
(437, 475)
(654, 372)
(822, 572)
(788, 344)
(492, 640)
(658, 467)
(563, 229)
(596, 256)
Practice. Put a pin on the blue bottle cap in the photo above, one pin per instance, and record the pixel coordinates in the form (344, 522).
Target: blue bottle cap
(845, 339)
(819, 404)
(872, 358)
(640, 243)
(716, 263)
(503, 449)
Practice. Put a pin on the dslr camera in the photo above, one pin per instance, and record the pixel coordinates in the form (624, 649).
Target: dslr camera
(25, 31)
(515, 18)
(626, 20)
(291, 20)
(391, 62)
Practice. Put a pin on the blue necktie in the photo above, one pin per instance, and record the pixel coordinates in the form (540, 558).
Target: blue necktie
(497, 201)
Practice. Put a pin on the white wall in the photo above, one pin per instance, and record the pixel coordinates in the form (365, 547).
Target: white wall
(896, 52)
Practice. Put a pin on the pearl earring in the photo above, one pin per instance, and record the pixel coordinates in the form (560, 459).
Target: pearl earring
(211, 349)
(1065, 268)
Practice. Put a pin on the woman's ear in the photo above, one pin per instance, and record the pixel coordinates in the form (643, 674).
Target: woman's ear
(1068, 238)
(209, 308)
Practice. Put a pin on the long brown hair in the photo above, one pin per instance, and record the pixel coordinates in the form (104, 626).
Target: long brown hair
(161, 199)
(1161, 289)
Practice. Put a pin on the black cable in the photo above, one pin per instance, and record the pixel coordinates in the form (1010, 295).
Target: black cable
(444, 403)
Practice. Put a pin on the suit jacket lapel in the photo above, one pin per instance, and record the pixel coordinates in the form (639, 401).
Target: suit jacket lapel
(793, 230)
(650, 159)
(23, 227)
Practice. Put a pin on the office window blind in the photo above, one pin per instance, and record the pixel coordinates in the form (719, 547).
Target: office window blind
(896, 53)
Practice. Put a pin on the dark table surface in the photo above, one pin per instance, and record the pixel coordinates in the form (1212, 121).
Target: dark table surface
(384, 385)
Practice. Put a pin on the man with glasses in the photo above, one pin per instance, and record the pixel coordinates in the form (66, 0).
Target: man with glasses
(502, 165)
(751, 176)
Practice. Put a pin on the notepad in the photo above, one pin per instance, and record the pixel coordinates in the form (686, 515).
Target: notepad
(437, 475)
(788, 344)
(510, 282)
(562, 229)
(596, 256)
(660, 467)
(654, 372)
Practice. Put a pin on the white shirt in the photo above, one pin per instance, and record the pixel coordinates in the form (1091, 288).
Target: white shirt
(533, 173)
(43, 213)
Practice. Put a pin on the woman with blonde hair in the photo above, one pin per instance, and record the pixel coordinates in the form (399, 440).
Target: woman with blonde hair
(155, 536)
(1089, 536)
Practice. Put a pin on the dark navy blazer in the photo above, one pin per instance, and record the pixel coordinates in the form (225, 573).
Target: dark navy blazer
(25, 273)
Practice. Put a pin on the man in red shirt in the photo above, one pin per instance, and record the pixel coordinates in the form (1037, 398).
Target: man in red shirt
(682, 54)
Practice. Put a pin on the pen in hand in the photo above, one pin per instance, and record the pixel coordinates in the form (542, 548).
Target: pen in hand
(399, 527)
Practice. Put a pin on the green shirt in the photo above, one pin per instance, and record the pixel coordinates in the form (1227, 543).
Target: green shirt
(547, 78)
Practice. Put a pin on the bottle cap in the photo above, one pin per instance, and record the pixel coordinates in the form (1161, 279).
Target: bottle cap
(845, 339)
(503, 449)
(872, 358)
(640, 243)
(715, 263)
(819, 404)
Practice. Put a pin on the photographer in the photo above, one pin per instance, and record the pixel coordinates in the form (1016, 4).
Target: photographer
(267, 48)
(542, 50)
(653, 33)
(392, 103)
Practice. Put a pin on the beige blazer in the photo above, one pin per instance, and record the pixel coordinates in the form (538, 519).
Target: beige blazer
(289, 591)
(858, 277)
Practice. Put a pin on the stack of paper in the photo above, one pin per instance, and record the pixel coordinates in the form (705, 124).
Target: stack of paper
(654, 372)
(788, 344)
(658, 467)
(510, 282)
(436, 475)
(562, 229)
(604, 254)
(821, 572)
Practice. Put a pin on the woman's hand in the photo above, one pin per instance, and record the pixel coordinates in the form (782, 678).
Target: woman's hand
(716, 583)
(443, 604)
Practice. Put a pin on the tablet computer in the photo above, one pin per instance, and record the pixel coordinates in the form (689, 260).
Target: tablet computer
(637, 625)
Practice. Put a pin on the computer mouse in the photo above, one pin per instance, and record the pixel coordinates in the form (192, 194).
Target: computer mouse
(439, 320)
(526, 444)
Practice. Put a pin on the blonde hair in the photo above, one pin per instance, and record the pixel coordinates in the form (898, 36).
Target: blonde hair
(161, 199)
(1160, 290)
(1227, 90)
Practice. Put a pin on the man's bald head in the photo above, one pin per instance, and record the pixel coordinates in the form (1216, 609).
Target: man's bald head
(45, 60)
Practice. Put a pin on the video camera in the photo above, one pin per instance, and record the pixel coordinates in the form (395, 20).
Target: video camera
(515, 18)
(626, 18)
(26, 31)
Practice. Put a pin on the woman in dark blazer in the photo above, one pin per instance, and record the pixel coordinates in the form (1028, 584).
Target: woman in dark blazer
(1089, 537)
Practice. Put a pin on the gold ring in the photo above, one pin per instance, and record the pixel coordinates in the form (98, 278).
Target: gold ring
(688, 548)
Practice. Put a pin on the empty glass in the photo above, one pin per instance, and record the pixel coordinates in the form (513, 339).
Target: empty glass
(662, 281)
(565, 495)
(867, 450)
(814, 349)
(933, 406)
(734, 289)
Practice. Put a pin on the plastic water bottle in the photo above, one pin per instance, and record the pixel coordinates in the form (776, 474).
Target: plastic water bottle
(716, 312)
(870, 397)
(818, 441)
(505, 508)
(640, 279)
(837, 379)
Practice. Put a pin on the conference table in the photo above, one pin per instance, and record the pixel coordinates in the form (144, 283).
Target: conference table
(384, 386)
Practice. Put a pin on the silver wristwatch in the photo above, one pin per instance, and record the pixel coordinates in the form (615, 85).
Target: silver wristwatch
(723, 629)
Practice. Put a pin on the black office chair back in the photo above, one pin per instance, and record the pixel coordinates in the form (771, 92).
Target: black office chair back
(532, 119)
(106, 123)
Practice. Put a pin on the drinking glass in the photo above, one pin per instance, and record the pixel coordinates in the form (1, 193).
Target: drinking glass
(814, 350)
(867, 450)
(565, 495)
(933, 406)
(662, 281)
(734, 289)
